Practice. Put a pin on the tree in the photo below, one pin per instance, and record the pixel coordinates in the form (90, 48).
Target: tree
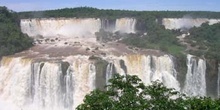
(130, 93)
(12, 40)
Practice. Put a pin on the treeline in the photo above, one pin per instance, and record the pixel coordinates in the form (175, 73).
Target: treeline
(82, 12)
(12, 40)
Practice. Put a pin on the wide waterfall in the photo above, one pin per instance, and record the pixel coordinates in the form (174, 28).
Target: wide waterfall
(186, 23)
(74, 27)
(65, 27)
(62, 84)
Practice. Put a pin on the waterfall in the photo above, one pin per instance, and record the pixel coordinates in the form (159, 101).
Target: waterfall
(48, 88)
(69, 88)
(218, 83)
(109, 72)
(45, 85)
(15, 80)
(147, 71)
(92, 76)
(62, 84)
(181, 23)
(73, 27)
(152, 68)
(108, 25)
(125, 25)
(195, 84)
(61, 27)
(165, 72)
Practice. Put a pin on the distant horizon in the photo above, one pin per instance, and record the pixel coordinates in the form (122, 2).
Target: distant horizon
(131, 5)
(110, 9)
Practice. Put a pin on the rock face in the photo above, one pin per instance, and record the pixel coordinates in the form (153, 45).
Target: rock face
(186, 23)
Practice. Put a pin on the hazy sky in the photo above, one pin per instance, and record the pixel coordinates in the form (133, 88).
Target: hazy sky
(196, 5)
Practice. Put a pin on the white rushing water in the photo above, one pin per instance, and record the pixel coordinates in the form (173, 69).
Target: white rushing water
(61, 27)
(152, 68)
(181, 23)
(72, 27)
(125, 25)
(195, 83)
(62, 85)
(218, 83)
(109, 72)
(45, 85)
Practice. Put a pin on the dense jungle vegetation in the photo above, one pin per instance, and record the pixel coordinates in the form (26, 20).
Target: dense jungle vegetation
(12, 40)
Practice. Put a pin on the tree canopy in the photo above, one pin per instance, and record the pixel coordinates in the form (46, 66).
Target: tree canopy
(11, 38)
(130, 93)
(82, 12)
(207, 40)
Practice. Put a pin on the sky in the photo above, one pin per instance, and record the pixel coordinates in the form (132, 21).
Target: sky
(148, 5)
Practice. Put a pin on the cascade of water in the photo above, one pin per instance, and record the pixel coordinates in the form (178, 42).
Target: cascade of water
(92, 76)
(63, 27)
(15, 78)
(108, 25)
(109, 73)
(37, 96)
(74, 28)
(125, 25)
(14, 81)
(59, 86)
(49, 86)
(147, 71)
(195, 84)
(181, 23)
(164, 71)
(151, 68)
(84, 76)
(69, 89)
(218, 83)
(51, 89)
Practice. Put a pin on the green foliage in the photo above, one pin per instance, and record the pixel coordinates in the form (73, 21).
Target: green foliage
(202, 103)
(11, 38)
(82, 12)
(157, 38)
(129, 93)
(207, 38)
